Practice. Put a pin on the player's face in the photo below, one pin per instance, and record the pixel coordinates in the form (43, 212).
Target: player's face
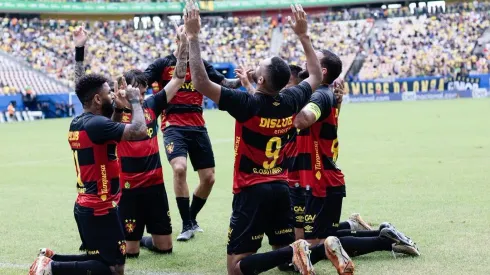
(106, 98)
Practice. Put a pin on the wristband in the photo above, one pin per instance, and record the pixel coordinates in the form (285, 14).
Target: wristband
(312, 107)
(79, 53)
(118, 110)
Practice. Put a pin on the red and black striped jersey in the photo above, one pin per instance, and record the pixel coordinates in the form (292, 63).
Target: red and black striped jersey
(325, 144)
(300, 159)
(263, 132)
(140, 159)
(185, 108)
(93, 140)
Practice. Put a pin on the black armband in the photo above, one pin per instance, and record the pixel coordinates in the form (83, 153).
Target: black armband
(79, 53)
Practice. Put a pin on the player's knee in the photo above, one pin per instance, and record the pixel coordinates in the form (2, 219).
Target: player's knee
(208, 179)
(163, 245)
(117, 270)
(132, 247)
(180, 170)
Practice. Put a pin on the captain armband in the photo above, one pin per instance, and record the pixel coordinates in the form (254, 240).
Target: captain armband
(312, 107)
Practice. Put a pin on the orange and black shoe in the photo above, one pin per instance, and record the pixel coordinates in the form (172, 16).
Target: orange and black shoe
(337, 255)
(46, 252)
(301, 257)
(41, 266)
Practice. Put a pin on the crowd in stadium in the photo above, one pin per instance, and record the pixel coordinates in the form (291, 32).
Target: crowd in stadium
(430, 42)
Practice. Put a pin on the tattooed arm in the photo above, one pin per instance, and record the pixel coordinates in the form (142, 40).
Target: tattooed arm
(231, 83)
(80, 38)
(137, 129)
(180, 68)
(200, 78)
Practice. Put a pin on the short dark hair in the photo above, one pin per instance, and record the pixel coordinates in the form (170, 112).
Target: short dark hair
(295, 70)
(136, 78)
(88, 86)
(278, 74)
(333, 64)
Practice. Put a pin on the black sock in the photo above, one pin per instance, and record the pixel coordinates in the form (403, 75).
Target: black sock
(132, 255)
(71, 258)
(196, 206)
(80, 268)
(344, 226)
(184, 210)
(360, 246)
(317, 253)
(257, 263)
(147, 242)
(360, 233)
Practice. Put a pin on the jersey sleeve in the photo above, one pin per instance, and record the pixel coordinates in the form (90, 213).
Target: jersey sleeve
(324, 102)
(157, 102)
(154, 72)
(238, 104)
(298, 96)
(101, 129)
(213, 74)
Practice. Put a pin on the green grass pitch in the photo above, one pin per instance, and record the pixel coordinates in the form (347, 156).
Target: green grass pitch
(424, 166)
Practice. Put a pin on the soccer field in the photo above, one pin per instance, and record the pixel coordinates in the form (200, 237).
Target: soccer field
(424, 166)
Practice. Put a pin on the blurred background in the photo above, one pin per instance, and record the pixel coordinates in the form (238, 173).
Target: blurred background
(391, 50)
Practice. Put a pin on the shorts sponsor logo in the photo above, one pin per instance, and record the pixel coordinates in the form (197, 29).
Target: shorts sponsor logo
(258, 237)
(299, 209)
(122, 247)
(300, 218)
(130, 225)
(308, 229)
(170, 147)
(310, 218)
(93, 252)
(283, 231)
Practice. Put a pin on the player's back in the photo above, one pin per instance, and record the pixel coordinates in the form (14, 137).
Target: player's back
(93, 140)
(263, 132)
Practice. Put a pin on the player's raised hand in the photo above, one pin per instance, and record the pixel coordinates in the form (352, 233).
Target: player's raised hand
(243, 74)
(338, 90)
(120, 93)
(298, 23)
(80, 36)
(192, 20)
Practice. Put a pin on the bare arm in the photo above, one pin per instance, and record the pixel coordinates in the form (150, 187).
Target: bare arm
(137, 129)
(180, 68)
(117, 116)
(307, 116)
(80, 37)
(300, 27)
(232, 83)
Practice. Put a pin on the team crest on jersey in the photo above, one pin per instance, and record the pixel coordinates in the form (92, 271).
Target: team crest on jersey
(130, 225)
(170, 147)
(122, 247)
(127, 185)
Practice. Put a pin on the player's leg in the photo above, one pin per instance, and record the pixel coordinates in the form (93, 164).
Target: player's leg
(297, 195)
(176, 149)
(202, 159)
(158, 223)
(131, 213)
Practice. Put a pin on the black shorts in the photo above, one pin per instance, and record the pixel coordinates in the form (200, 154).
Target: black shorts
(102, 236)
(147, 206)
(257, 210)
(298, 197)
(322, 215)
(180, 142)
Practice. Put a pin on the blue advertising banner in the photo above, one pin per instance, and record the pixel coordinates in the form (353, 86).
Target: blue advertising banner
(417, 84)
(411, 96)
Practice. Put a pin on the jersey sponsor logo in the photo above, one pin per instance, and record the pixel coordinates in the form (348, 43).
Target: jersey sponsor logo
(105, 181)
(130, 225)
(271, 123)
(170, 147)
(237, 145)
(318, 162)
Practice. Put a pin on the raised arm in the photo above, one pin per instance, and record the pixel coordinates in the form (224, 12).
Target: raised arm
(233, 83)
(137, 129)
(244, 75)
(80, 37)
(181, 67)
(199, 75)
(300, 27)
